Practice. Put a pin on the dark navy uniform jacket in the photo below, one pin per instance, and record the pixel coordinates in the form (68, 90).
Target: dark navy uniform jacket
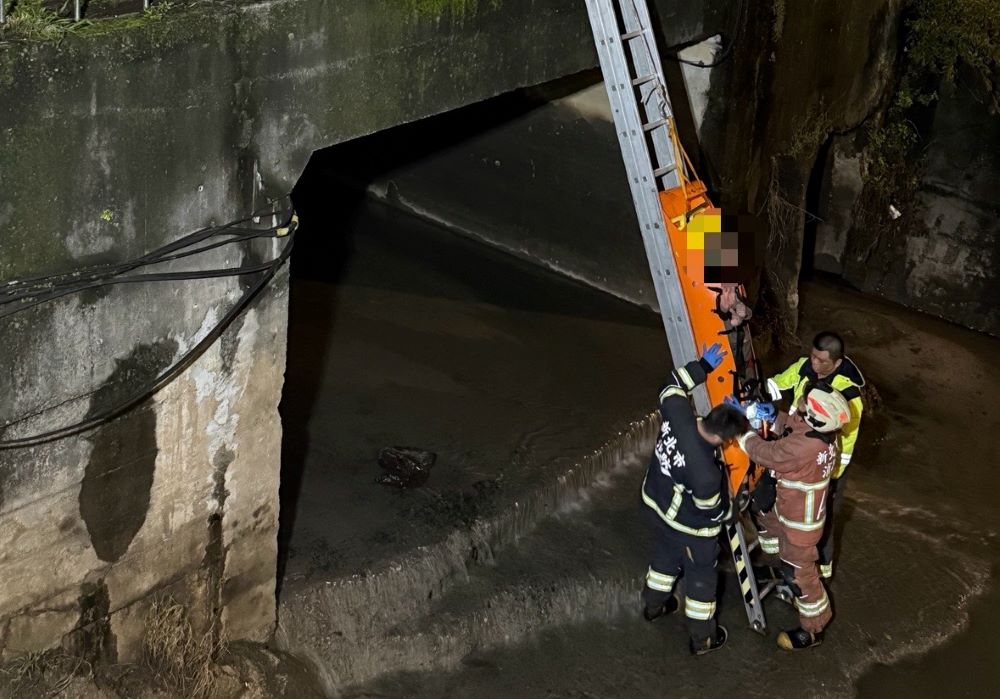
(685, 483)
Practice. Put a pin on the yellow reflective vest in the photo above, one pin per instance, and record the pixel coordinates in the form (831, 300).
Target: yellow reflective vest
(848, 380)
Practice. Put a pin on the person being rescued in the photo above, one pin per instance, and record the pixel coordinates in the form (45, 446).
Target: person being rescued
(802, 459)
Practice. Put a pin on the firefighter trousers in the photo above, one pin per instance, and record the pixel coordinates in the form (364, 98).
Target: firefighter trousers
(799, 571)
(676, 554)
(834, 499)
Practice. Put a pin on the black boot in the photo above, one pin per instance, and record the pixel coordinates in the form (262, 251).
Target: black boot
(799, 639)
(654, 613)
(707, 645)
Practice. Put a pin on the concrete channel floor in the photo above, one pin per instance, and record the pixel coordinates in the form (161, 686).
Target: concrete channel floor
(512, 376)
(436, 342)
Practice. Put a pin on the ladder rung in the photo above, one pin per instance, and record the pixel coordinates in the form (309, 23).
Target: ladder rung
(644, 79)
(756, 542)
(632, 35)
(654, 125)
(660, 172)
(767, 589)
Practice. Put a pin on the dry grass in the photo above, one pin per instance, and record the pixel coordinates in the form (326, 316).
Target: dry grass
(782, 215)
(180, 659)
(43, 673)
(25, 671)
(784, 220)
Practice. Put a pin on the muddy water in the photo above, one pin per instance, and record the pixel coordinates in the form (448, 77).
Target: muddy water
(933, 453)
(509, 374)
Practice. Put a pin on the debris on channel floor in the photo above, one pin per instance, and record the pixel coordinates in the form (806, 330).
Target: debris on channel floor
(405, 467)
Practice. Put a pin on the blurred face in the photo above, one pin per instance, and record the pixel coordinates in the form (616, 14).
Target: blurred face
(822, 364)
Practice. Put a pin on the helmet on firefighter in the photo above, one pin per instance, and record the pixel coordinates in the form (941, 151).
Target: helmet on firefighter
(826, 409)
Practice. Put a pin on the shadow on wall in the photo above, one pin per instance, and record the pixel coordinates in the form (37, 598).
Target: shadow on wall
(114, 500)
(324, 246)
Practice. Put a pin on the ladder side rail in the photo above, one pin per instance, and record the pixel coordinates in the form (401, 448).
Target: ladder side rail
(652, 94)
(642, 11)
(642, 185)
(752, 596)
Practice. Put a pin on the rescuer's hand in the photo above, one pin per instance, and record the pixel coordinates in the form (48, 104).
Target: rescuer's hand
(758, 413)
(713, 355)
(731, 401)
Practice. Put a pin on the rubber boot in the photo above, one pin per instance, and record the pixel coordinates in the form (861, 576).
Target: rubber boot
(668, 607)
(799, 639)
(707, 645)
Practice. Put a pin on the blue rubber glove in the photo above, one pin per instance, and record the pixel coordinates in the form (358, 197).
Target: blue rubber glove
(759, 412)
(713, 355)
(731, 401)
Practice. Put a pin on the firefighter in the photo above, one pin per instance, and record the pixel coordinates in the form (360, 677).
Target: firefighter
(827, 362)
(687, 500)
(802, 459)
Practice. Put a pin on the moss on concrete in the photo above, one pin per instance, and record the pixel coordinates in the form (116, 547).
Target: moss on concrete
(779, 20)
(457, 8)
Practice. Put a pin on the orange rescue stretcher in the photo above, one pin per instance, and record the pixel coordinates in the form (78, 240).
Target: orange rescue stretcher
(739, 369)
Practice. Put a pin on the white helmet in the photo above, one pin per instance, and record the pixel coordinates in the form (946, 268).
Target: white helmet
(826, 409)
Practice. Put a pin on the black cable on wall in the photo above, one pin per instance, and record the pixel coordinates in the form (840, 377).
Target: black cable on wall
(20, 295)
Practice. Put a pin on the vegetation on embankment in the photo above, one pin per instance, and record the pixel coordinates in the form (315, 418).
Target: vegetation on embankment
(943, 42)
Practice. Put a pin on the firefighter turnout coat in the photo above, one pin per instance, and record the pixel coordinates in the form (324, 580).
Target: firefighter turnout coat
(684, 483)
(848, 380)
(803, 461)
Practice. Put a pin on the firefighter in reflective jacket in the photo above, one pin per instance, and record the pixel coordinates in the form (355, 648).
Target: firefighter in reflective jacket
(827, 362)
(803, 459)
(687, 498)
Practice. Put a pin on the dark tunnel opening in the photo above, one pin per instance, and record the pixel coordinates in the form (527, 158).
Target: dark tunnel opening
(385, 292)
(817, 193)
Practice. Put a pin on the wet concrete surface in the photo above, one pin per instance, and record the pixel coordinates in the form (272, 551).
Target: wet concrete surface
(513, 376)
(428, 340)
(432, 341)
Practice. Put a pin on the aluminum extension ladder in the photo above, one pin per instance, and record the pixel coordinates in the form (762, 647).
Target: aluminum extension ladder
(642, 116)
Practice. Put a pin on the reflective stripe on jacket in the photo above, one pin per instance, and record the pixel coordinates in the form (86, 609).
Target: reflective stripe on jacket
(684, 484)
(803, 462)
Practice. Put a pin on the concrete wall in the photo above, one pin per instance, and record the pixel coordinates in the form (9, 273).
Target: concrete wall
(801, 72)
(942, 255)
(798, 94)
(544, 181)
(539, 174)
(118, 141)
